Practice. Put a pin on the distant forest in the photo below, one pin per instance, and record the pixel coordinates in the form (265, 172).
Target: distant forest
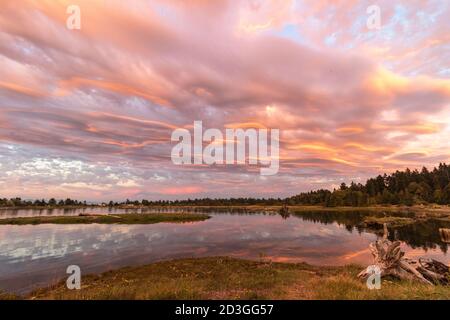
(407, 187)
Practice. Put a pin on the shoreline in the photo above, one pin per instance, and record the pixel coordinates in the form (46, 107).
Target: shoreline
(233, 279)
(428, 207)
(394, 216)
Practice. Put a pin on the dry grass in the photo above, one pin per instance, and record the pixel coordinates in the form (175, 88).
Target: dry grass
(8, 296)
(227, 278)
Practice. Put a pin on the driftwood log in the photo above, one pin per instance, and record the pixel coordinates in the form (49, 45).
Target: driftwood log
(388, 257)
(445, 235)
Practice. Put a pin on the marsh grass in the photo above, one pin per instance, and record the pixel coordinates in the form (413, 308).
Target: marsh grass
(393, 222)
(227, 278)
(135, 218)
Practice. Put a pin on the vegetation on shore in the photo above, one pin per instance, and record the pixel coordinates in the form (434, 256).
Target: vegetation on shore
(395, 221)
(42, 203)
(135, 218)
(408, 187)
(8, 296)
(392, 222)
(228, 278)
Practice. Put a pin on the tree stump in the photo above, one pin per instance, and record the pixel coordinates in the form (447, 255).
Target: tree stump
(388, 257)
(445, 235)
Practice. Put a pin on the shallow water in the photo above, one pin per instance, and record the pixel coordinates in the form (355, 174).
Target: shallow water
(33, 256)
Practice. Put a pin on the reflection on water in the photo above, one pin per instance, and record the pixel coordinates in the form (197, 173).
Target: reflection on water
(16, 213)
(32, 256)
(19, 213)
(424, 234)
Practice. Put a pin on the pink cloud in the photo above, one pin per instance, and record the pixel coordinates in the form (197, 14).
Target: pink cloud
(185, 190)
(111, 93)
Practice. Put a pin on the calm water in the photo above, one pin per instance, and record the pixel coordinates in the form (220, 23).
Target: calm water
(33, 256)
(18, 213)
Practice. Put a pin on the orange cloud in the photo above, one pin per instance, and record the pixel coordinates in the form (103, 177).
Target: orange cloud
(21, 89)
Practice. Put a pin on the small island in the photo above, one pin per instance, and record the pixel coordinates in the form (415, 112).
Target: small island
(133, 218)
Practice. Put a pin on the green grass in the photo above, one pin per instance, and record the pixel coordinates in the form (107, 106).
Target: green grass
(135, 218)
(227, 278)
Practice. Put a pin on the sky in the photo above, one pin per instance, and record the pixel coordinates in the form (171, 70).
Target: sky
(88, 113)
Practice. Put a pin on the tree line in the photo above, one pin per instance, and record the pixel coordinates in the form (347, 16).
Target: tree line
(19, 202)
(408, 187)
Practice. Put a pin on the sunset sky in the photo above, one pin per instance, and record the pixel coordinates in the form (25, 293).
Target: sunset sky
(88, 114)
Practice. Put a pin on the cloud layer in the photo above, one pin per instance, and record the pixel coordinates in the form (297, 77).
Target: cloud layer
(88, 113)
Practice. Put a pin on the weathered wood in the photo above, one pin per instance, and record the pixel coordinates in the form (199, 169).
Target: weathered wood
(445, 235)
(389, 258)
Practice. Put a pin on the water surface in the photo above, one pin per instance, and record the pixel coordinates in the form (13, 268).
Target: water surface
(33, 256)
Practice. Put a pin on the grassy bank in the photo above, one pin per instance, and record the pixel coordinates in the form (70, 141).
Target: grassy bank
(8, 296)
(138, 218)
(227, 278)
(393, 216)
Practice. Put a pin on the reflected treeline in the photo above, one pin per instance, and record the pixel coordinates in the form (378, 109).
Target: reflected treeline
(43, 212)
(210, 210)
(421, 234)
(351, 220)
(5, 213)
